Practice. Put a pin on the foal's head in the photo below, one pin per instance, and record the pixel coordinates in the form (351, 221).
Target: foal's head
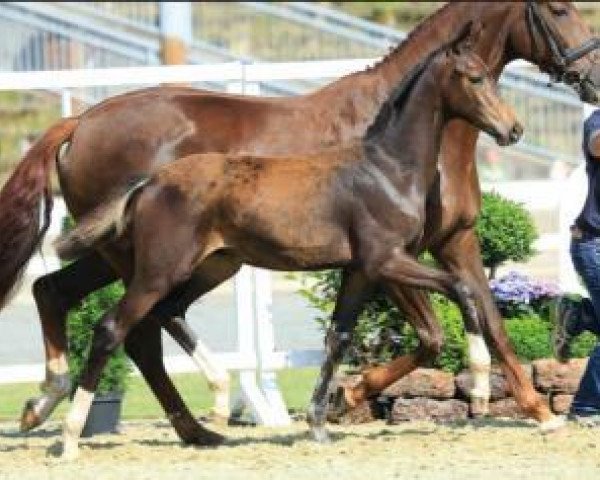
(469, 92)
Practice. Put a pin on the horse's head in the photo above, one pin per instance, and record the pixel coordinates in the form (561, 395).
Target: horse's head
(554, 36)
(469, 92)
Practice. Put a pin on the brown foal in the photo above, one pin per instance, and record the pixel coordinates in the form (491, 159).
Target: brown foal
(360, 207)
(158, 125)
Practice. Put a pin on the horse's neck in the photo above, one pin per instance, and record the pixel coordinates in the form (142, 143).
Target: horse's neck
(373, 86)
(409, 144)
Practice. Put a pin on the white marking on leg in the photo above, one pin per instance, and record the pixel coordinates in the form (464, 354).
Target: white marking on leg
(553, 424)
(75, 421)
(58, 366)
(55, 387)
(218, 378)
(479, 364)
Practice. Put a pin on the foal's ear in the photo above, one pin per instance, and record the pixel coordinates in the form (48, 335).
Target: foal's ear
(467, 38)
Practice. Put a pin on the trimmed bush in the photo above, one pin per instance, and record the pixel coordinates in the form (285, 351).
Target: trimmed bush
(80, 330)
(530, 337)
(505, 230)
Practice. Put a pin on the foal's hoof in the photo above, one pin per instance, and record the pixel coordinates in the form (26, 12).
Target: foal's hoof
(479, 407)
(29, 418)
(205, 438)
(320, 435)
(338, 405)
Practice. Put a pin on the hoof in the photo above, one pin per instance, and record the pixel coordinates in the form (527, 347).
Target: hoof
(29, 418)
(204, 438)
(338, 405)
(217, 418)
(320, 435)
(555, 423)
(479, 407)
(70, 452)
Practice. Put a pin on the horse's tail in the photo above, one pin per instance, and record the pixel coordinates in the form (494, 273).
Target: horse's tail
(20, 204)
(102, 224)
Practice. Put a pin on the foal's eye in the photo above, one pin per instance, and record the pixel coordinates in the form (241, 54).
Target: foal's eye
(476, 80)
(558, 9)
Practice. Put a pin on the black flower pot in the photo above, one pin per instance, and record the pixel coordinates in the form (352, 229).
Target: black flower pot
(104, 415)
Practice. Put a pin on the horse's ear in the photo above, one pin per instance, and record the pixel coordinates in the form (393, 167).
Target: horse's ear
(467, 38)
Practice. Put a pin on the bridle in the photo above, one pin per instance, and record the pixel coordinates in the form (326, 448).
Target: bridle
(562, 57)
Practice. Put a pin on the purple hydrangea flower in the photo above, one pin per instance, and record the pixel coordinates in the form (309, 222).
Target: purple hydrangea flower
(516, 291)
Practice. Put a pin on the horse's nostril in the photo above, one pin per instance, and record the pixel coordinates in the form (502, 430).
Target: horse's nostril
(571, 77)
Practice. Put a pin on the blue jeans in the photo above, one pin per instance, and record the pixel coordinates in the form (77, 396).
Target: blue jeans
(585, 254)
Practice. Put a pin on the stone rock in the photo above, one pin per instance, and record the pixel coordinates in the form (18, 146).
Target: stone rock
(498, 385)
(561, 403)
(423, 382)
(405, 409)
(506, 407)
(550, 375)
(364, 412)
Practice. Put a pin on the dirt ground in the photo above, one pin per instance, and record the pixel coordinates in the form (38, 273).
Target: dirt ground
(418, 450)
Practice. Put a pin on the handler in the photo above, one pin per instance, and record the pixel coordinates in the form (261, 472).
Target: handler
(575, 317)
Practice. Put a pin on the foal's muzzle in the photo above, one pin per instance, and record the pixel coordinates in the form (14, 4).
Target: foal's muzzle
(515, 134)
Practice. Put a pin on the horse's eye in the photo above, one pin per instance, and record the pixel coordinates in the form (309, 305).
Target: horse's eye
(476, 80)
(558, 9)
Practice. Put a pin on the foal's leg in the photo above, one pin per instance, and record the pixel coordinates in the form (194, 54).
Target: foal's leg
(144, 345)
(54, 295)
(108, 335)
(470, 269)
(417, 307)
(213, 271)
(353, 291)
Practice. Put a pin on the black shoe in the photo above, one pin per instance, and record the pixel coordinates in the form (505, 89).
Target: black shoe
(567, 326)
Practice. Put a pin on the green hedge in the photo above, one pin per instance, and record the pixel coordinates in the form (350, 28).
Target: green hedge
(80, 330)
(382, 333)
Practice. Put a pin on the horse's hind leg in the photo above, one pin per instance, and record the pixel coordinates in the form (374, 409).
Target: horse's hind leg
(217, 377)
(144, 345)
(54, 295)
(141, 295)
(211, 273)
(417, 307)
(354, 290)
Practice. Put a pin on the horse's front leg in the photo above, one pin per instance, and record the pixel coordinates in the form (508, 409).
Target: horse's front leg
(417, 308)
(354, 290)
(54, 295)
(461, 255)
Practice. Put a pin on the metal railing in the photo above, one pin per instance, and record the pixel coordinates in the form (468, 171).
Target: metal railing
(102, 34)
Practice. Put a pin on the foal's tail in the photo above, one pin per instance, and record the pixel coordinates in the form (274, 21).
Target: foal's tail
(20, 203)
(102, 224)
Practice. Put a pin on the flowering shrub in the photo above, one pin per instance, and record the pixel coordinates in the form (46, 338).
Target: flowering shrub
(518, 295)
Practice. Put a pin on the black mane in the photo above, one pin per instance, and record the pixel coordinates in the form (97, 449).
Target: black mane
(400, 94)
(397, 98)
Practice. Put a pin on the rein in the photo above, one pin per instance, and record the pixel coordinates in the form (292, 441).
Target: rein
(562, 57)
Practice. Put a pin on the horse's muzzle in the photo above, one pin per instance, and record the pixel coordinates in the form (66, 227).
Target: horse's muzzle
(515, 134)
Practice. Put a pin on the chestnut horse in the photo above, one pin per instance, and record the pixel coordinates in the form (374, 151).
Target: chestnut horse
(360, 207)
(128, 136)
